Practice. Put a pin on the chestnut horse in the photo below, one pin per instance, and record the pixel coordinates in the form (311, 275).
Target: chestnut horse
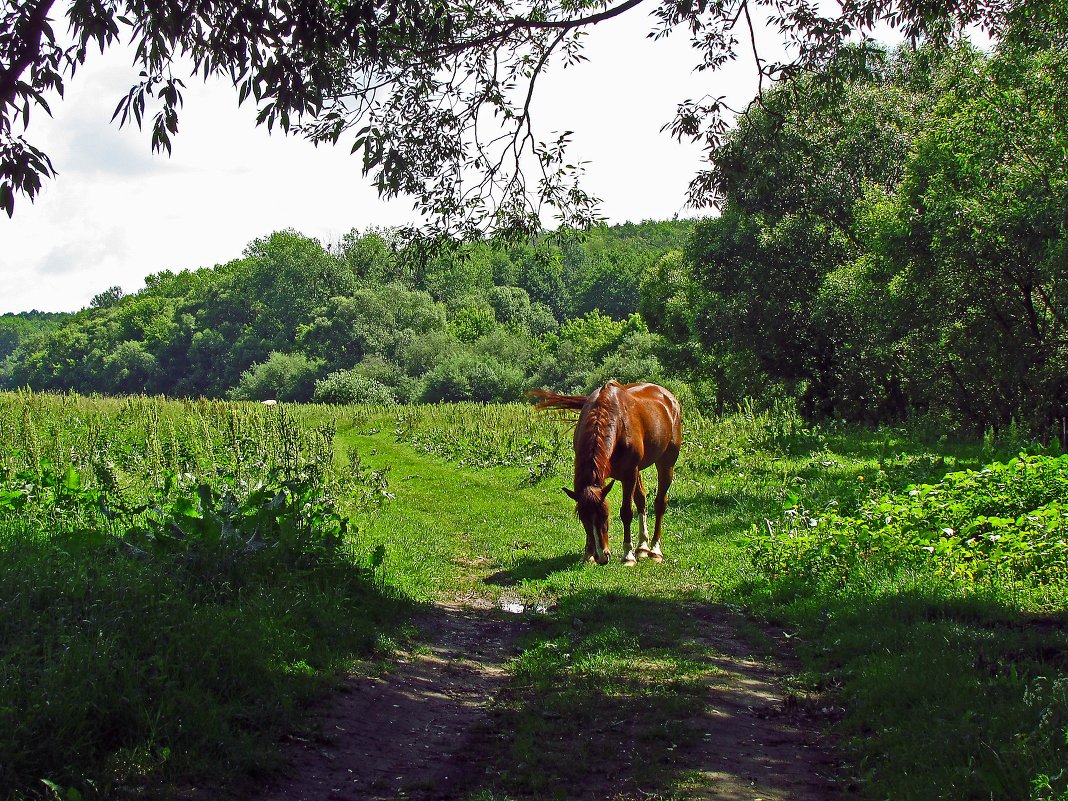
(621, 430)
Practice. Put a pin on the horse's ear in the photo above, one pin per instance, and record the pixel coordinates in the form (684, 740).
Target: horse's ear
(570, 493)
(608, 488)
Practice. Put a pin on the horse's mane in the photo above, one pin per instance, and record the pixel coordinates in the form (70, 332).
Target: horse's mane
(594, 440)
(593, 446)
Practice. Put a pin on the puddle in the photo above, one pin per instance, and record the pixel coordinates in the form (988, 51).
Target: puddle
(516, 608)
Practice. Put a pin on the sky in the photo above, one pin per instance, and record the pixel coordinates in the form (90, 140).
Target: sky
(117, 212)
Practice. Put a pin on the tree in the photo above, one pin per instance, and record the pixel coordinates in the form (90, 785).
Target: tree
(976, 238)
(109, 297)
(752, 283)
(436, 96)
(778, 295)
(130, 367)
(376, 320)
(288, 277)
(370, 256)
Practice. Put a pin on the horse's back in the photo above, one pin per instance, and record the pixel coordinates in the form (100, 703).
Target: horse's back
(659, 416)
(653, 400)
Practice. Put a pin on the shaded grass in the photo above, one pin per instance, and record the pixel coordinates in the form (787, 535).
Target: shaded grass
(603, 695)
(927, 681)
(120, 672)
(171, 645)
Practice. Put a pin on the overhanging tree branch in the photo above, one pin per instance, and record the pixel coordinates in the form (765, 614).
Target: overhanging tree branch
(23, 50)
(405, 76)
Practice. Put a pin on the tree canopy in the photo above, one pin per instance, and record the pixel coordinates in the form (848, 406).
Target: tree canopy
(362, 320)
(434, 96)
(893, 252)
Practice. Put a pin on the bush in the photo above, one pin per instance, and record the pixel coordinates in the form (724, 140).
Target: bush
(403, 387)
(283, 376)
(468, 377)
(349, 386)
(1005, 523)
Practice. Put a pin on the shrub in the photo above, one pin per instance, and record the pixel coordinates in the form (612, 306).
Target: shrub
(468, 377)
(283, 376)
(349, 386)
(1007, 522)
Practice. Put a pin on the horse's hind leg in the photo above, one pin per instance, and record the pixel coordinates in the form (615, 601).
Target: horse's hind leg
(643, 521)
(664, 474)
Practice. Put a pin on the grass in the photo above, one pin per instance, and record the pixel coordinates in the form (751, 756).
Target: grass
(173, 589)
(141, 672)
(897, 654)
(934, 685)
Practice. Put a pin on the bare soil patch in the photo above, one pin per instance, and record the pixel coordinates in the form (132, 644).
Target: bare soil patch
(756, 740)
(410, 733)
(425, 729)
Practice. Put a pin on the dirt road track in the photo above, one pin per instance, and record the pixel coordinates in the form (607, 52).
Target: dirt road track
(424, 729)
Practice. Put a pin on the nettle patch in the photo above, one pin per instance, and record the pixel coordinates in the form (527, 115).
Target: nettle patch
(1008, 521)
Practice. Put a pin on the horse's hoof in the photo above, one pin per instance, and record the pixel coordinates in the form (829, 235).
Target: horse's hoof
(656, 557)
(642, 553)
(632, 562)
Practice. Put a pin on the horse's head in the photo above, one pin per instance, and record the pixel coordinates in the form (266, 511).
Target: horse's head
(592, 508)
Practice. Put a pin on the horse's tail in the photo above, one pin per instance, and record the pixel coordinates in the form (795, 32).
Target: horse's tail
(550, 400)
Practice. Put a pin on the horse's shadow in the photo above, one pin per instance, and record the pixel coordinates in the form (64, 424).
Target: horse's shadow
(528, 568)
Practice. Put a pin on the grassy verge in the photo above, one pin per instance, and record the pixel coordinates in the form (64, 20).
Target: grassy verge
(175, 582)
(119, 673)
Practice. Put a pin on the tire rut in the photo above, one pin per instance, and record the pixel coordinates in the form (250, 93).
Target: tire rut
(409, 733)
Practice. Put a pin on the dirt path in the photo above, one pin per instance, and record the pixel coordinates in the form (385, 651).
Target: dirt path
(757, 742)
(411, 732)
(439, 723)
(424, 730)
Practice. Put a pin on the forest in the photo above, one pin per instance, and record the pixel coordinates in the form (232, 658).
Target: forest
(362, 321)
(891, 247)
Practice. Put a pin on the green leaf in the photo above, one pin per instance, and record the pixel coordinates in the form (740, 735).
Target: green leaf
(71, 480)
(185, 507)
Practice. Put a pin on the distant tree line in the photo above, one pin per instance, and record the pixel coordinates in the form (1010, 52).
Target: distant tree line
(20, 327)
(363, 320)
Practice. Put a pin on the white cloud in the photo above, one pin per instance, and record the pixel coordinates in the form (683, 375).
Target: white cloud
(92, 150)
(62, 259)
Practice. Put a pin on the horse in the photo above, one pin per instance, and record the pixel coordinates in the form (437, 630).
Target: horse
(621, 430)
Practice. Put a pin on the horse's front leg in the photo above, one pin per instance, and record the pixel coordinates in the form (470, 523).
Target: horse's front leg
(626, 514)
(591, 544)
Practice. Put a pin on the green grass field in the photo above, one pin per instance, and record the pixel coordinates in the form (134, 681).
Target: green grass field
(158, 631)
